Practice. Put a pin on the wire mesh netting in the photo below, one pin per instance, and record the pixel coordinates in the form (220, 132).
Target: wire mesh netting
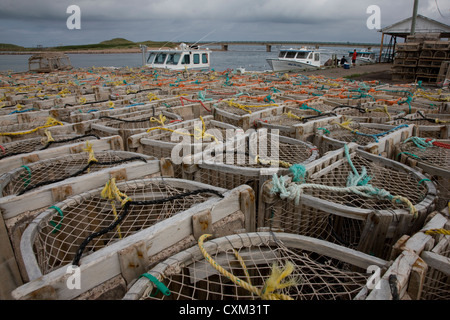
(355, 132)
(437, 283)
(435, 154)
(39, 143)
(65, 226)
(34, 175)
(251, 258)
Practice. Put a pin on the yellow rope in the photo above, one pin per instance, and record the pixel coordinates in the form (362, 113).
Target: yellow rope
(273, 282)
(244, 107)
(384, 109)
(152, 96)
(284, 164)
(111, 104)
(438, 231)
(196, 136)
(293, 116)
(49, 137)
(112, 192)
(50, 123)
(82, 100)
(91, 152)
(161, 121)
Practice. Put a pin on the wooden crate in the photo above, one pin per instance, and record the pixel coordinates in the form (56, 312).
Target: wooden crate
(326, 209)
(192, 274)
(141, 246)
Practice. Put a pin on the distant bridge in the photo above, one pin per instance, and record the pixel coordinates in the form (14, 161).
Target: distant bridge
(269, 44)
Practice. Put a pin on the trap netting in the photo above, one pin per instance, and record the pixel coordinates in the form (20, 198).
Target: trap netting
(88, 222)
(334, 199)
(436, 285)
(433, 157)
(49, 171)
(256, 266)
(433, 126)
(137, 120)
(27, 130)
(40, 143)
(369, 112)
(363, 134)
(244, 160)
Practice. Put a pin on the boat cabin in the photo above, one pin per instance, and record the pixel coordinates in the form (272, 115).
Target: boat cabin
(184, 57)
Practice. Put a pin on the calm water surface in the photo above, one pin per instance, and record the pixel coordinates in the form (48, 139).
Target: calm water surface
(252, 58)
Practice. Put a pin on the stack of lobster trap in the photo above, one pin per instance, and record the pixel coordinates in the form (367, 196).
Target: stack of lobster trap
(207, 185)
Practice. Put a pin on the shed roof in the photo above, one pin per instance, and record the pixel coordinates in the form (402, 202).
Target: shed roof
(423, 25)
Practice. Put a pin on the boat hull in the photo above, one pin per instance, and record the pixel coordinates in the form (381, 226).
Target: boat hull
(289, 65)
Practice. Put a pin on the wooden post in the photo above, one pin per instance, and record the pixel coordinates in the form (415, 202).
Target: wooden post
(381, 46)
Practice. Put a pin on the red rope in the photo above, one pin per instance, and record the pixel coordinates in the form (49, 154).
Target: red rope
(3, 149)
(439, 144)
(201, 102)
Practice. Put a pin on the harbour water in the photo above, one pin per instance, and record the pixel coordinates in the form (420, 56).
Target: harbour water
(252, 58)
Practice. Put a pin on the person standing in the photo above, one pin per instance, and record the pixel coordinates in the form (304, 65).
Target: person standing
(354, 57)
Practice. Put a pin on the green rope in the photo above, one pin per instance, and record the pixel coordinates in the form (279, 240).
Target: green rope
(299, 173)
(325, 130)
(409, 154)
(159, 285)
(56, 226)
(28, 180)
(423, 180)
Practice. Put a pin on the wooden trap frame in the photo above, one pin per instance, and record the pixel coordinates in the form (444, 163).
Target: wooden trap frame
(238, 267)
(432, 158)
(160, 217)
(186, 137)
(249, 159)
(375, 138)
(326, 203)
(131, 123)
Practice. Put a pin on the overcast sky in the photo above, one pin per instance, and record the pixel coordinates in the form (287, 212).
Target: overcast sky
(43, 22)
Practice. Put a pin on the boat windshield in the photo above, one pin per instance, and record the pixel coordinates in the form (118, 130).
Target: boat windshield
(291, 54)
(302, 55)
(173, 58)
(151, 57)
(160, 58)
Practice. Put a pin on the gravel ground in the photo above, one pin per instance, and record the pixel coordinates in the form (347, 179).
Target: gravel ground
(377, 71)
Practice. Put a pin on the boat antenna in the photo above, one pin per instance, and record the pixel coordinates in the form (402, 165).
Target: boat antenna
(179, 35)
(204, 37)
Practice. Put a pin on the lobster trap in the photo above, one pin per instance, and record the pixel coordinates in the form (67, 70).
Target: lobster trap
(17, 154)
(196, 135)
(375, 138)
(40, 143)
(18, 132)
(423, 272)
(150, 220)
(349, 197)
(435, 126)
(250, 159)
(130, 124)
(242, 114)
(295, 123)
(432, 157)
(244, 267)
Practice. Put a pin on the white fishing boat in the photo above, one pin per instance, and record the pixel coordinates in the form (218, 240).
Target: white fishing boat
(181, 58)
(363, 56)
(295, 60)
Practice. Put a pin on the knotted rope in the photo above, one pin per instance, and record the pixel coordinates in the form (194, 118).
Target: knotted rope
(273, 283)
